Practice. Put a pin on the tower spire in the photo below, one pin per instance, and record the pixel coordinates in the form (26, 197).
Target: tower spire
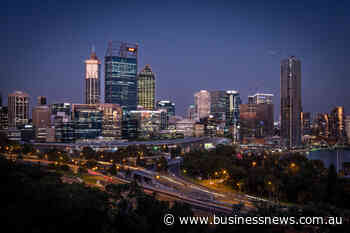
(93, 53)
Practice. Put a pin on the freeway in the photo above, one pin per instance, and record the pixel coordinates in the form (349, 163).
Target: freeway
(174, 187)
(194, 203)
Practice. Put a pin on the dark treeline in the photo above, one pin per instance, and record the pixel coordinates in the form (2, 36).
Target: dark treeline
(282, 177)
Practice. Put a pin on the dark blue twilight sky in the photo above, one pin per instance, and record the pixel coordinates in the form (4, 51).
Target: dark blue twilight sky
(190, 45)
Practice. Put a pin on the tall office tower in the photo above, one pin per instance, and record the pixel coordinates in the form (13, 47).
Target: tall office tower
(112, 119)
(306, 122)
(149, 123)
(260, 98)
(92, 79)
(87, 119)
(291, 101)
(336, 123)
(191, 112)
(18, 109)
(146, 88)
(4, 121)
(42, 100)
(41, 121)
(233, 101)
(0, 99)
(347, 127)
(320, 125)
(218, 105)
(202, 104)
(168, 106)
(61, 122)
(120, 75)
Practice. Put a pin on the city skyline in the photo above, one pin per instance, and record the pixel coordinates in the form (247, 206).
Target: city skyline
(231, 44)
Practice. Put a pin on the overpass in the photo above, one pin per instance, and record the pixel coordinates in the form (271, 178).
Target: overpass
(186, 144)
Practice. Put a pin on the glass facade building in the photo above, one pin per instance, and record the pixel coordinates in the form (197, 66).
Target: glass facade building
(62, 127)
(291, 102)
(146, 88)
(121, 75)
(112, 120)
(233, 102)
(87, 121)
(218, 104)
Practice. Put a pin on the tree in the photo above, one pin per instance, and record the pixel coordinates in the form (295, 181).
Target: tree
(332, 180)
(27, 148)
(162, 164)
(113, 170)
(89, 153)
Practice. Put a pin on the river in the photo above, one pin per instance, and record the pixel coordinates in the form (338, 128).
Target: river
(330, 156)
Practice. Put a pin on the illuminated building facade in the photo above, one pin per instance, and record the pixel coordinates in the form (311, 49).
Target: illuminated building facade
(146, 88)
(41, 121)
(320, 125)
(337, 125)
(291, 101)
(112, 120)
(261, 98)
(42, 100)
(92, 79)
(218, 105)
(347, 128)
(233, 102)
(87, 121)
(4, 121)
(149, 123)
(202, 104)
(306, 123)
(18, 109)
(121, 75)
(62, 127)
(169, 107)
(191, 112)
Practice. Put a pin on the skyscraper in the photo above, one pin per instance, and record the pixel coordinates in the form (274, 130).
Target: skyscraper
(111, 122)
(4, 117)
(18, 109)
(336, 124)
(291, 101)
(347, 127)
(41, 121)
(120, 75)
(146, 88)
(191, 112)
(218, 104)
(260, 98)
(202, 104)
(92, 79)
(233, 102)
(61, 122)
(87, 119)
(42, 100)
(168, 106)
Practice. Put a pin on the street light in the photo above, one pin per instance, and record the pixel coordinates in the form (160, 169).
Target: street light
(253, 163)
(292, 165)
